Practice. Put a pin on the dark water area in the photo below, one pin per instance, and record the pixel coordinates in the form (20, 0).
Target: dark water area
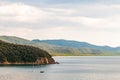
(70, 68)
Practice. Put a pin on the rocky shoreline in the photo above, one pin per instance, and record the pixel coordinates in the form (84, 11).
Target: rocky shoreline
(39, 61)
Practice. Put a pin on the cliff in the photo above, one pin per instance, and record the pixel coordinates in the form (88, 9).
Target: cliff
(22, 54)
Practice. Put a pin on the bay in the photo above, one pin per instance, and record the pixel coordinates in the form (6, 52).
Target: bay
(70, 68)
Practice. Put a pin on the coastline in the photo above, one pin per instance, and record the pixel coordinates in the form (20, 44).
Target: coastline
(39, 61)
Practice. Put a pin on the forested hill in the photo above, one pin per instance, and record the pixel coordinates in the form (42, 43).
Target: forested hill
(22, 54)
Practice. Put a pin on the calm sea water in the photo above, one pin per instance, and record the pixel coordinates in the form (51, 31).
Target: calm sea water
(70, 68)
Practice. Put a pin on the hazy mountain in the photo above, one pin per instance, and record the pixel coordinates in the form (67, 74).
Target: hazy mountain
(64, 47)
(17, 40)
(83, 47)
(76, 44)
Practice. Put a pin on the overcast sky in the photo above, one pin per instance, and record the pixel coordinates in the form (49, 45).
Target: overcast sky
(93, 21)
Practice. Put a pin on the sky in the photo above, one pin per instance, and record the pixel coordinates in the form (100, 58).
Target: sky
(93, 21)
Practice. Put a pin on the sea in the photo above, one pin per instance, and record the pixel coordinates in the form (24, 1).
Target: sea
(69, 68)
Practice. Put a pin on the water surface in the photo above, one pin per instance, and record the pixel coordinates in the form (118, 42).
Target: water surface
(70, 68)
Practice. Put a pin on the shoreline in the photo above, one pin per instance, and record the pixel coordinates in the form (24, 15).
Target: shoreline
(26, 63)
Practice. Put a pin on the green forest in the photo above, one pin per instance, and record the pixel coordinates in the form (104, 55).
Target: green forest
(20, 53)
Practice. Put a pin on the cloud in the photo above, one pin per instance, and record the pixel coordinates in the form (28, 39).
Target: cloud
(53, 2)
(83, 16)
(86, 15)
(19, 12)
(94, 23)
(15, 31)
(95, 16)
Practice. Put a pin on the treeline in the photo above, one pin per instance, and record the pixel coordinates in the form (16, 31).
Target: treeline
(20, 53)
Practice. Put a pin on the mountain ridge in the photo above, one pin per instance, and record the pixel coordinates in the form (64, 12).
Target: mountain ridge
(73, 43)
(65, 47)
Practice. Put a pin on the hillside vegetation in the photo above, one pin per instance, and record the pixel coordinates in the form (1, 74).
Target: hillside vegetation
(12, 53)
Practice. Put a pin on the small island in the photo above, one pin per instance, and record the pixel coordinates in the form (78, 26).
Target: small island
(23, 54)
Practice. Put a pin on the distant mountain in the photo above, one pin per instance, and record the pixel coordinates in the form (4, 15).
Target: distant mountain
(76, 44)
(64, 47)
(83, 47)
(17, 40)
(66, 43)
